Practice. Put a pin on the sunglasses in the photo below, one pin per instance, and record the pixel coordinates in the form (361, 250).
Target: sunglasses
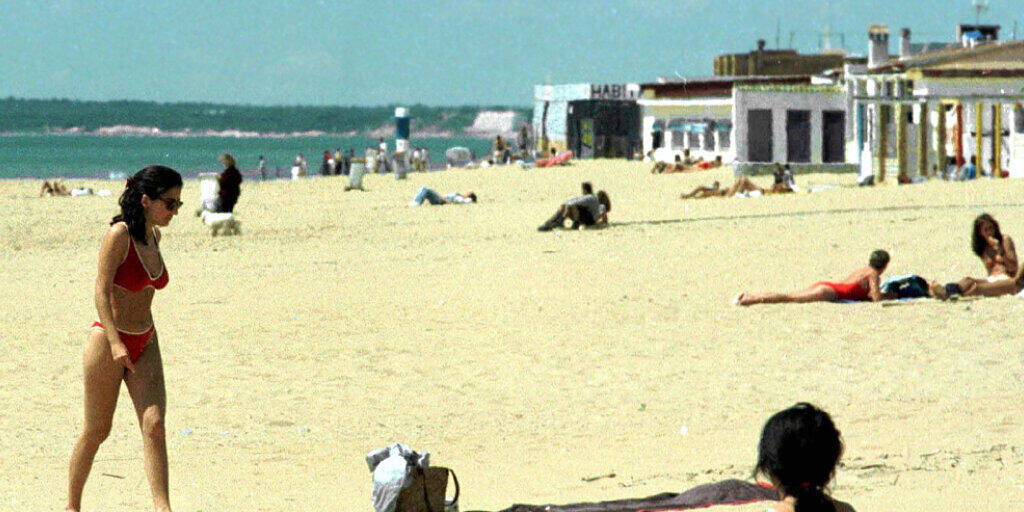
(171, 204)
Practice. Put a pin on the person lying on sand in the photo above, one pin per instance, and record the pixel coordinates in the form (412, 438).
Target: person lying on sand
(666, 167)
(862, 284)
(799, 450)
(742, 185)
(585, 210)
(702, 192)
(971, 287)
(54, 188)
(429, 195)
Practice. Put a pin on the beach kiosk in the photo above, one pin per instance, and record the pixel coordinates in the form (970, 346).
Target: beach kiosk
(591, 120)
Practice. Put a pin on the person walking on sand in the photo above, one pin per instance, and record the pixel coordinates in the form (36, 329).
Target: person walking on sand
(123, 343)
(229, 184)
(861, 284)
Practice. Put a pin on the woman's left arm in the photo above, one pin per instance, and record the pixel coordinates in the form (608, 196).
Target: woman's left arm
(1010, 256)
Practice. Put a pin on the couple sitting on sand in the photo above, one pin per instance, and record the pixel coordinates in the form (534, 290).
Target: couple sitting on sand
(54, 188)
(783, 184)
(587, 210)
(995, 250)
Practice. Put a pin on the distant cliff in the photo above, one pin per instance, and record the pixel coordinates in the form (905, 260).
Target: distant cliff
(208, 119)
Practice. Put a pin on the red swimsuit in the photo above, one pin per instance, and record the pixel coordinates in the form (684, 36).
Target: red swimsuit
(132, 275)
(847, 291)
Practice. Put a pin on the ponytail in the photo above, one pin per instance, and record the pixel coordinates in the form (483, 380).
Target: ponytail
(151, 181)
(810, 498)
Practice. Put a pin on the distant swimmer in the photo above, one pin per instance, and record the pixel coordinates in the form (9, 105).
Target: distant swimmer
(123, 342)
(861, 285)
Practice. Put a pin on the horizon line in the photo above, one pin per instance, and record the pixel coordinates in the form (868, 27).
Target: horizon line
(12, 97)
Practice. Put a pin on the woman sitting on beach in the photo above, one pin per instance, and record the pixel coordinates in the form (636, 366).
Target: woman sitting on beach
(432, 197)
(585, 210)
(995, 250)
(999, 255)
(862, 284)
(123, 343)
(799, 450)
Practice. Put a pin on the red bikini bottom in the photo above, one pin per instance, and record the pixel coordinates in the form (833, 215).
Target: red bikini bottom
(135, 342)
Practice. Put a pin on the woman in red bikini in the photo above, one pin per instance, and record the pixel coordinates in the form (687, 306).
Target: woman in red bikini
(862, 284)
(122, 345)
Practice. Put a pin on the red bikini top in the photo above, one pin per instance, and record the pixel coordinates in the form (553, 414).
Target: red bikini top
(132, 274)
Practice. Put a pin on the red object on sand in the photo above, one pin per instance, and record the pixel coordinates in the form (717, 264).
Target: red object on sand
(559, 159)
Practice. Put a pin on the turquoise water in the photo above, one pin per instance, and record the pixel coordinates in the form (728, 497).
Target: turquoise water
(94, 156)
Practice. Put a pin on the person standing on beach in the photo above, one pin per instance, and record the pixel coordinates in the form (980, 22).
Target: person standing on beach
(229, 183)
(328, 164)
(122, 344)
(262, 167)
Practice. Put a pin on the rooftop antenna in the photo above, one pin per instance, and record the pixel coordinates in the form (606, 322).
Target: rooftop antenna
(791, 34)
(979, 7)
(828, 42)
(777, 33)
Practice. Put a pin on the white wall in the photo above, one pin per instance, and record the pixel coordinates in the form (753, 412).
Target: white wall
(779, 103)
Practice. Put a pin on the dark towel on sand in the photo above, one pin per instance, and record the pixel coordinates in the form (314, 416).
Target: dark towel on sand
(719, 493)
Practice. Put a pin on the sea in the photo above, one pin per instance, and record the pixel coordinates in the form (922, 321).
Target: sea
(50, 155)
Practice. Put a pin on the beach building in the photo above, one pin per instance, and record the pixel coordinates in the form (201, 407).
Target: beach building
(697, 114)
(803, 125)
(919, 114)
(592, 120)
(779, 62)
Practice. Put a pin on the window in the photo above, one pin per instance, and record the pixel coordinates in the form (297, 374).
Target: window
(833, 123)
(798, 136)
(759, 135)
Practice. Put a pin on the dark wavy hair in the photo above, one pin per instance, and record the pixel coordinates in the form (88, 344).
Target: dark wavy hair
(799, 450)
(152, 181)
(602, 197)
(978, 242)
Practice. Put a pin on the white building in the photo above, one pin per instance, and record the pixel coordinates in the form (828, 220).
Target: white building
(919, 114)
(801, 125)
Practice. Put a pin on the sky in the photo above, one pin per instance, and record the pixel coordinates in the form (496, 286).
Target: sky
(381, 52)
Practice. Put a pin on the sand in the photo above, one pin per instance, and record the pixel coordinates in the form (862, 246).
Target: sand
(342, 322)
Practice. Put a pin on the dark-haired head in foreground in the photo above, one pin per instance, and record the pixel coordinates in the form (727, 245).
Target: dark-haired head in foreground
(798, 452)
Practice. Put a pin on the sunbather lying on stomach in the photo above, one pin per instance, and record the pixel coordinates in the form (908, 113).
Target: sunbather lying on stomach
(861, 284)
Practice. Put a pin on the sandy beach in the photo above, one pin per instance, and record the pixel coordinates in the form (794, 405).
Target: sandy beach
(342, 322)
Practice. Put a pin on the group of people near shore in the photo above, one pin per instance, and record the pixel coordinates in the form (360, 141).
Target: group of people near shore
(995, 250)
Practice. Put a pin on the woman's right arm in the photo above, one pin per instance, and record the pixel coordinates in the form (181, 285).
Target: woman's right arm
(112, 253)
